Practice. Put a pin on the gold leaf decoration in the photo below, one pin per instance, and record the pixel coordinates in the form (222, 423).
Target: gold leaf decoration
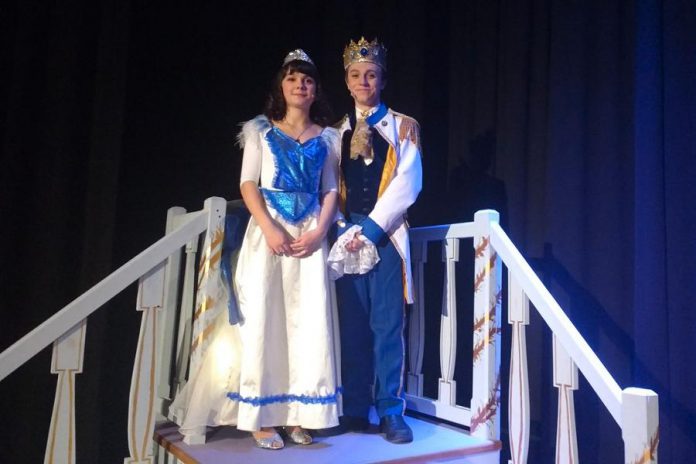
(202, 337)
(207, 304)
(208, 259)
(218, 236)
(481, 247)
(486, 413)
(481, 276)
(650, 452)
(489, 340)
(478, 280)
(215, 259)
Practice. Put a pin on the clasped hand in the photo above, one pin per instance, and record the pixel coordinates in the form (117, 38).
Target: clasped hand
(283, 244)
(356, 244)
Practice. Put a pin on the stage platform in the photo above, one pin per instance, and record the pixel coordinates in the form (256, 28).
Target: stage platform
(433, 443)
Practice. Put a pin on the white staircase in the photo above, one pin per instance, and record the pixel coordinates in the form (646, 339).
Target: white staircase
(172, 271)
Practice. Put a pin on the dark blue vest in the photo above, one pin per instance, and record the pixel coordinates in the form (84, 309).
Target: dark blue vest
(362, 181)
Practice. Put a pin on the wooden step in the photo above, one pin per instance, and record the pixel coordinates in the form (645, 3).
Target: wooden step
(433, 442)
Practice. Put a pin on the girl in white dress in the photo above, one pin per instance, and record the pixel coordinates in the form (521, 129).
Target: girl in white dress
(279, 364)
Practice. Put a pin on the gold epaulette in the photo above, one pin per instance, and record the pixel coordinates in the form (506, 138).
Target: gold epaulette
(409, 128)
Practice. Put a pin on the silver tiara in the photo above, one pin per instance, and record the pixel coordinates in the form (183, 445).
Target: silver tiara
(297, 54)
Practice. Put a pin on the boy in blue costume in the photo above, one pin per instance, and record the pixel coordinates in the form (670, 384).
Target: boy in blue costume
(380, 177)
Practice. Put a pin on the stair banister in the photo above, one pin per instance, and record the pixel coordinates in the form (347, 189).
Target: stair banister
(66, 329)
(84, 305)
(635, 410)
(568, 336)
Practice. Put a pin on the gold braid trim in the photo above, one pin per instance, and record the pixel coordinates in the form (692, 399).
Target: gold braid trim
(388, 171)
(410, 129)
(342, 192)
(340, 126)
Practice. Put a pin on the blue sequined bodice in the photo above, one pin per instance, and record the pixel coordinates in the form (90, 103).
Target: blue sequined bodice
(298, 169)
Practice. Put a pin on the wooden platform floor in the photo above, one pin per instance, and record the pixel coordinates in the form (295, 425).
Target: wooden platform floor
(433, 443)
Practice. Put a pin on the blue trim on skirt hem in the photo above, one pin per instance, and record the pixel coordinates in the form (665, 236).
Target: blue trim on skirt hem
(285, 398)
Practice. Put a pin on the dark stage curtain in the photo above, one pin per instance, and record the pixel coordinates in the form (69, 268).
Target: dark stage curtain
(576, 120)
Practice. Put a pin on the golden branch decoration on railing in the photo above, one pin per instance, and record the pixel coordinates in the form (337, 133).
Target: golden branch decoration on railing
(209, 260)
(481, 276)
(478, 323)
(481, 344)
(200, 338)
(487, 412)
(208, 303)
(650, 452)
(481, 247)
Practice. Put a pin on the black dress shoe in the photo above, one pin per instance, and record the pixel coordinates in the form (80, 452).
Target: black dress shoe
(396, 430)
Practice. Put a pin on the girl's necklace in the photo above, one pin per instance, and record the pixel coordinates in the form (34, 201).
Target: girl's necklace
(297, 139)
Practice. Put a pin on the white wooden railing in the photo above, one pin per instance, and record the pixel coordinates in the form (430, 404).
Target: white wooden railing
(635, 410)
(174, 328)
(66, 330)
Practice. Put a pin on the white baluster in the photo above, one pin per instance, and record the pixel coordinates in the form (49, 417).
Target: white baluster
(518, 397)
(167, 346)
(141, 405)
(640, 421)
(416, 324)
(447, 387)
(485, 399)
(565, 378)
(66, 361)
(183, 340)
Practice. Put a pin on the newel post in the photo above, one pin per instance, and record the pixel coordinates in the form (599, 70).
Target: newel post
(640, 425)
(485, 401)
(209, 290)
(209, 293)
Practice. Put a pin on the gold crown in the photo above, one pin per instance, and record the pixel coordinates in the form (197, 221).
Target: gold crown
(365, 52)
(297, 54)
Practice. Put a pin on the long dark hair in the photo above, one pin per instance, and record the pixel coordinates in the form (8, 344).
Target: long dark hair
(320, 112)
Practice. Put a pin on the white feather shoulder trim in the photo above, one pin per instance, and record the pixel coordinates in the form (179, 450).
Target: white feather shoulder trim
(252, 129)
(332, 139)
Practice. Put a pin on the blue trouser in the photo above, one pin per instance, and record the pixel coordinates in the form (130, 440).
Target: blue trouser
(371, 315)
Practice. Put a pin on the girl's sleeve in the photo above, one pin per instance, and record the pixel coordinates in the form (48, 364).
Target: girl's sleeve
(329, 174)
(250, 140)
